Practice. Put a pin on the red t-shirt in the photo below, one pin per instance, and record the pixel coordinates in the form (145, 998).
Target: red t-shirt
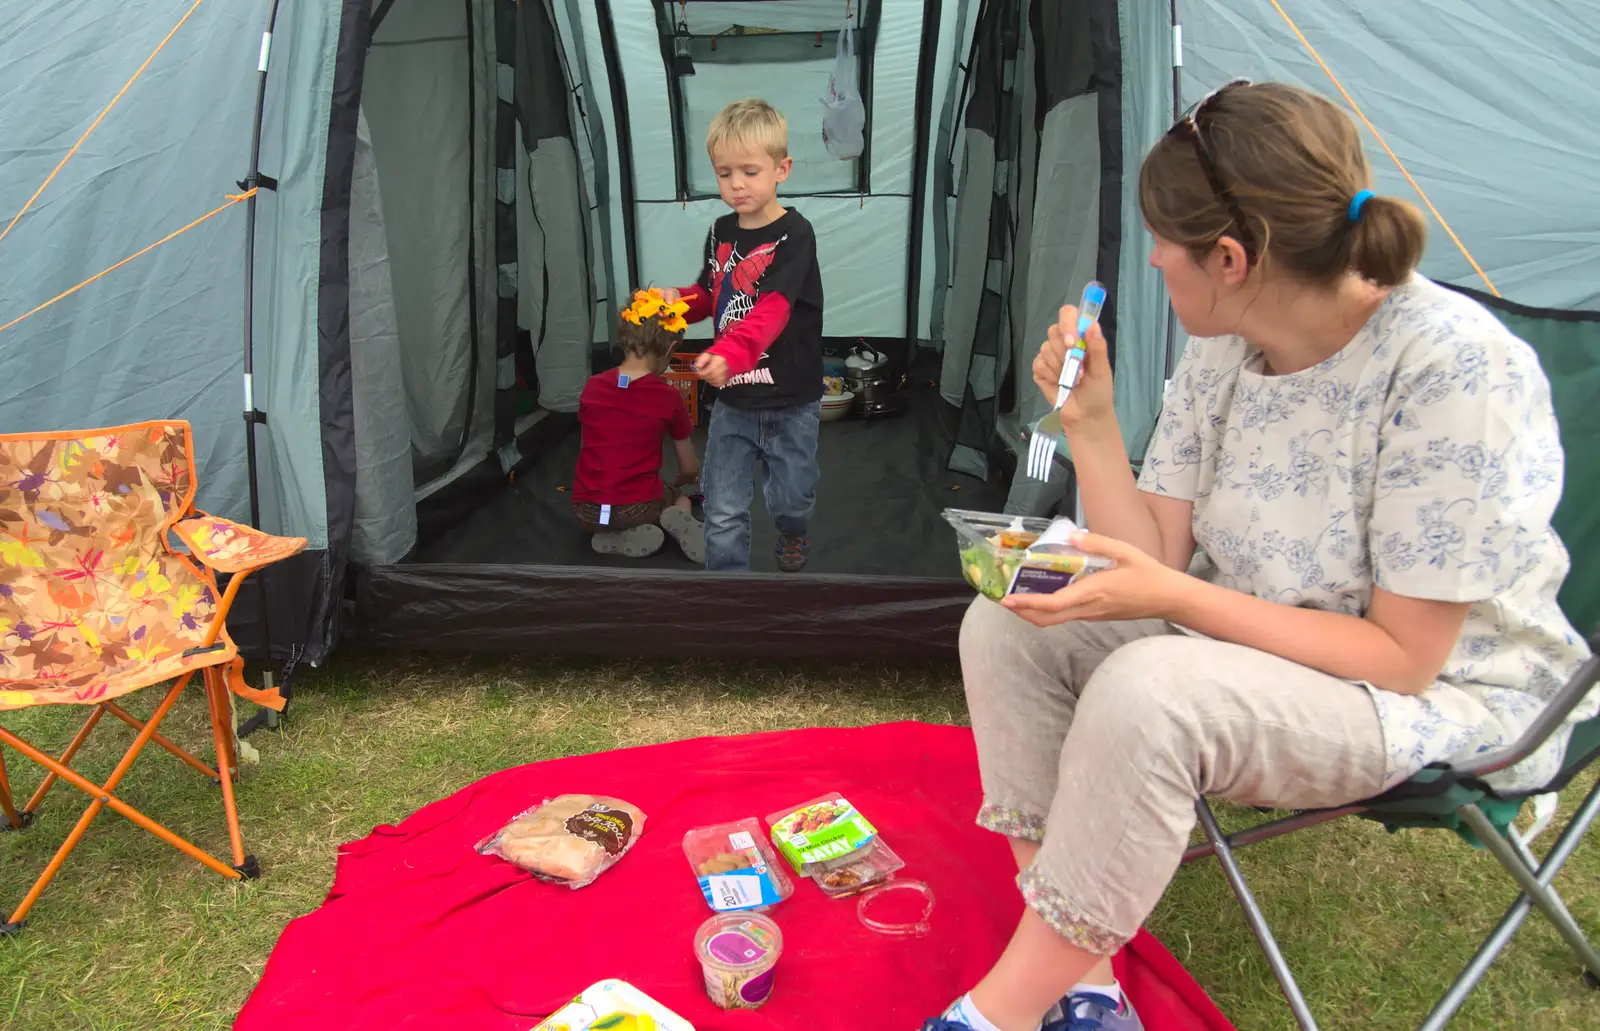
(619, 462)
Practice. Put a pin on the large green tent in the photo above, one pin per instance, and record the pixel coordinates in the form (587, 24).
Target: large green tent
(454, 194)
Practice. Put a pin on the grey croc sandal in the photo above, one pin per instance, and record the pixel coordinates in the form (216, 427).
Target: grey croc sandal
(639, 542)
(687, 531)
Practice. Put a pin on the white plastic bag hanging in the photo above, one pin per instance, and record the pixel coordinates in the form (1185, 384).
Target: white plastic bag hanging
(843, 115)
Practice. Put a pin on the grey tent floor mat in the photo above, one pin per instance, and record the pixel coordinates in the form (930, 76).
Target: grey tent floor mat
(884, 485)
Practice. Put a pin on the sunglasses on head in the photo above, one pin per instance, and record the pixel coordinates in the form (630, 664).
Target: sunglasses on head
(1191, 125)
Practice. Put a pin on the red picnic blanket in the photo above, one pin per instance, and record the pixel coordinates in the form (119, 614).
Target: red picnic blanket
(420, 932)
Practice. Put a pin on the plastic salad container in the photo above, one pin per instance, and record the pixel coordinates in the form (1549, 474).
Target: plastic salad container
(738, 953)
(823, 834)
(613, 1004)
(736, 866)
(992, 547)
(995, 547)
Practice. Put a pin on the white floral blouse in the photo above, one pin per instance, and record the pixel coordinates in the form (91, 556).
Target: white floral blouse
(1423, 458)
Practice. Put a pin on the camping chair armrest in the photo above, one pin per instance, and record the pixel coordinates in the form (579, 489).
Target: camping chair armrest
(229, 547)
(1549, 720)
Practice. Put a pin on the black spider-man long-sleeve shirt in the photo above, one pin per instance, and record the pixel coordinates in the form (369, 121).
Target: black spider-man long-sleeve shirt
(764, 290)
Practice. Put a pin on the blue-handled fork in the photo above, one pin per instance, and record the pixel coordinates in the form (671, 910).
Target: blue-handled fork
(1047, 432)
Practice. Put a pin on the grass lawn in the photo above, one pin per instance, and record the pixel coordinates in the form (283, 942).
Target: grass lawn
(132, 935)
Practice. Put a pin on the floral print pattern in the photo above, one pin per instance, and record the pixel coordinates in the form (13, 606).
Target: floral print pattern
(1423, 458)
(93, 603)
(227, 547)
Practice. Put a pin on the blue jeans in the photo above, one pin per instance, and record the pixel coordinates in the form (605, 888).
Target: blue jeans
(784, 441)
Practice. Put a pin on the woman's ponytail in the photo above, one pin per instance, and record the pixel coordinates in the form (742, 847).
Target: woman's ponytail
(1387, 239)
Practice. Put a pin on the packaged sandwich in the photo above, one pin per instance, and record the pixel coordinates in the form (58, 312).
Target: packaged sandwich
(569, 839)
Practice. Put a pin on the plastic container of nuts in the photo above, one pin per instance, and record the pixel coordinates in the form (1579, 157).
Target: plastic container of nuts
(875, 867)
(736, 867)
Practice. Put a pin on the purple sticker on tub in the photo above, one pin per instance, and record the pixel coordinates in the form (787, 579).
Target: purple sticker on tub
(735, 948)
(757, 988)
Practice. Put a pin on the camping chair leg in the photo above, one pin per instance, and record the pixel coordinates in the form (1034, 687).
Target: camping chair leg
(101, 796)
(222, 733)
(1507, 928)
(66, 759)
(1537, 887)
(13, 821)
(133, 721)
(1256, 919)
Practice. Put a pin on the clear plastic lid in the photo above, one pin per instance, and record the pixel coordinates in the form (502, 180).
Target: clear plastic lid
(738, 943)
(996, 531)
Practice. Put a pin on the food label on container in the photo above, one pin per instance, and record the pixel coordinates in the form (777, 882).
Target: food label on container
(740, 878)
(742, 889)
(609, 828)
(734, 891)
(820, 832)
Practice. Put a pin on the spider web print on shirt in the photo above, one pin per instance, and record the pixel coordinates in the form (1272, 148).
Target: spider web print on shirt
(743, 273)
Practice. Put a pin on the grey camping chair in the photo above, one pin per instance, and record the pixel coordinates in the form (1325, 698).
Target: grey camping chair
(1456, 798)
(1453, 798)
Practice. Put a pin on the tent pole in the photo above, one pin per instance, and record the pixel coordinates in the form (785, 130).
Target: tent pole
(251, 415)
(1177, 113)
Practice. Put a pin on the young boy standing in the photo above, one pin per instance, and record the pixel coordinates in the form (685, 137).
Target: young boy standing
(618, 496)
(763, 289)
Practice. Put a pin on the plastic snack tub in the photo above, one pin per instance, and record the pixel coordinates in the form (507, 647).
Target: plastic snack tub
(738, 953)
(736, 867)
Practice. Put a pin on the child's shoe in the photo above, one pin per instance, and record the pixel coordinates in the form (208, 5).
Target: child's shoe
(1091, 1011)
(639, 542)
(792, 553)
(687, 531)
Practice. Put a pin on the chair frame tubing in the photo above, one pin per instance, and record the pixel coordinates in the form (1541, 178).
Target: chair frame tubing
(101, 795)
(1533, 878)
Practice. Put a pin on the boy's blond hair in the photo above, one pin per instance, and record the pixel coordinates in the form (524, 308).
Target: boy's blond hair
(749, 124)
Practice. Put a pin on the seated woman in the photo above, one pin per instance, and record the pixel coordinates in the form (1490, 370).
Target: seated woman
(1369, 460)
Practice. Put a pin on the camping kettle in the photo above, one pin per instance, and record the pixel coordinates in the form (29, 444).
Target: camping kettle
(865, 359)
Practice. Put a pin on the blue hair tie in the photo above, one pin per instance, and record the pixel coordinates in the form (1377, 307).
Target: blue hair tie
(1356, 202)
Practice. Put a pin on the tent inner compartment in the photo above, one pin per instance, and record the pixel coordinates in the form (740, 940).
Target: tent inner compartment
(887, 472)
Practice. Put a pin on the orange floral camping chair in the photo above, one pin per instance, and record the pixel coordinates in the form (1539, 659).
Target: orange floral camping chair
(96, 602)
